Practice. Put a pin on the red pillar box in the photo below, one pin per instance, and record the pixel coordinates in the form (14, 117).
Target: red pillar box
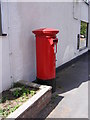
(46, 49)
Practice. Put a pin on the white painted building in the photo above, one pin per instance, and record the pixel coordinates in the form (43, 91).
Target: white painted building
(17, 49)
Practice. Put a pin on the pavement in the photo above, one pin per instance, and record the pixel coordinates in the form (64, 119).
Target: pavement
(71, 97)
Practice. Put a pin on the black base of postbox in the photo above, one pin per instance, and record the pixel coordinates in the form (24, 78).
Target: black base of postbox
(51, 82)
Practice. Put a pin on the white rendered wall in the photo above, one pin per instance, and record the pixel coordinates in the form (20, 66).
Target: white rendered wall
(84, 12)
(25, 17)
(0, 64)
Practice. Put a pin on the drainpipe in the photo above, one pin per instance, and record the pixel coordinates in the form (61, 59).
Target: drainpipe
(10, 47)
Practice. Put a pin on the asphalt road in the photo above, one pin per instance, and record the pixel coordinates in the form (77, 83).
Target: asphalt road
(71, 97)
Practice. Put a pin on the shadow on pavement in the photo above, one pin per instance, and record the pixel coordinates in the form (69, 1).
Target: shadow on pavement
(73, 76)
(50, 107)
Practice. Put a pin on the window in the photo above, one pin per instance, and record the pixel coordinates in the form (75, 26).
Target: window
(1, 33)
(83, 39)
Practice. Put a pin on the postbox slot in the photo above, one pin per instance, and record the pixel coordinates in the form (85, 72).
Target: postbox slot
(55, 40)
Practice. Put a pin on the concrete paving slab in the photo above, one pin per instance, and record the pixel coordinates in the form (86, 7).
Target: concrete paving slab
(74, 104)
